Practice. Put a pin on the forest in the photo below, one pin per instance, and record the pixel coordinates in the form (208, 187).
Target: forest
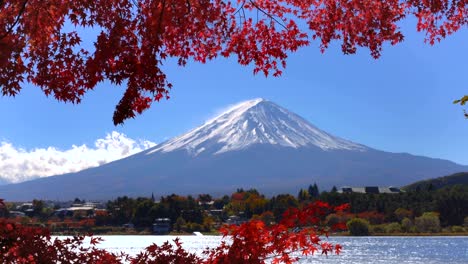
(413, 211)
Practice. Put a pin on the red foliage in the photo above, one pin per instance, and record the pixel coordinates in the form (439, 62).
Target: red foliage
(373, 217)
(20, 244)
(252, 242)
(238, 196)
(166, 253)
(39, 44)
(299, 231)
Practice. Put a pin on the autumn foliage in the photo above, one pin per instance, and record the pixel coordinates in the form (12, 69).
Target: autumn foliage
(298, 234)
(67, 47)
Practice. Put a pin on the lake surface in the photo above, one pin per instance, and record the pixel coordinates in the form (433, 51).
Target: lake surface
(389, 250)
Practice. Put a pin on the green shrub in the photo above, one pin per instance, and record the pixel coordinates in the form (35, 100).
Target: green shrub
(358, 227)
(428, 222)
(406, 225)
(402, 213)
(465, 222)
(333, 219)
(378, 228)
(393, 228)
(457, 229)
(192, 227)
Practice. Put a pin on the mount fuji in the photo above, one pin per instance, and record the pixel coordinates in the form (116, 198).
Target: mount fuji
(254, 144)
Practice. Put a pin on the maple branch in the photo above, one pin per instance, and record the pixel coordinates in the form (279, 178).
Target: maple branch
(23, 7)
(278, 254)
(243, 14)
(239, 9)
(268, 15)
(161, 16)
(189, 6)
(462, 101)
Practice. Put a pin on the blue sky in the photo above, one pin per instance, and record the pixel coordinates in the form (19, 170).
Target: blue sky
(401, 102)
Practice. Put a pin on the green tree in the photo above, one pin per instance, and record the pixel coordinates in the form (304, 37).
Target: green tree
(179, 224)
(313, 191)
(121, 210)
(39, 209)
(402, 213)
(428, 222)
(142, 216)
(358, 227)
(205, 198)
(3, 209)
(406, 225)
(255, 204)
(220, 203)
(280, 203)
(303, 195)
(333, 219)
(452, 204)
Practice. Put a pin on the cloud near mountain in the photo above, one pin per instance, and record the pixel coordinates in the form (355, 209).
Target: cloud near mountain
(254, 144)
(18, 164)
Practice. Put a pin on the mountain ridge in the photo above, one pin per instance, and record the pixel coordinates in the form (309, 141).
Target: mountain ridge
(460, 178)
(223, 154)
(251, 122)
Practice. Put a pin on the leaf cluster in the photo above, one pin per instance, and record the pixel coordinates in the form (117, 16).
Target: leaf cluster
(251, 242)
(43, 42)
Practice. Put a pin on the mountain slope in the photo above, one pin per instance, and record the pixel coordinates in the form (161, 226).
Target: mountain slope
(255, 144)
(253, 122)
(441, 182)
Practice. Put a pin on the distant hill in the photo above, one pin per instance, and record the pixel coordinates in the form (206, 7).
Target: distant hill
(441, 182)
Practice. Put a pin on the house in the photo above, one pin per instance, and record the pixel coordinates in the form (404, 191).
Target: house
(129, 225)
(236, 220)
(162, 226)
(14, 214)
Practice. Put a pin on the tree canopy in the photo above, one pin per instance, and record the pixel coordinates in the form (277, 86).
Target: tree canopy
(41, 41)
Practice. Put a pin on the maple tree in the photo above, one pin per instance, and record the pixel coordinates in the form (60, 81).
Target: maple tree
(298, 234)
(41, 41)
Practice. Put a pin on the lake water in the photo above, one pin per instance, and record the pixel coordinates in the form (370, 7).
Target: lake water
(389, 250)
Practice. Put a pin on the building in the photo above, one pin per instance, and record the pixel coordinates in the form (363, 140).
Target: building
(75, 211)
(162, 226)
(236, 220)
(369, 189)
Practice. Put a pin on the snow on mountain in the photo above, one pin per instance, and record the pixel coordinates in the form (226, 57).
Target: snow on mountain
(255, 144)
(252, 122)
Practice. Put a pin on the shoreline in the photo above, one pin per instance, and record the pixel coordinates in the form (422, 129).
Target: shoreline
(441, 234)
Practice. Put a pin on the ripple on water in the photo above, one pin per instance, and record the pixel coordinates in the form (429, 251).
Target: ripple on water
(362, 250)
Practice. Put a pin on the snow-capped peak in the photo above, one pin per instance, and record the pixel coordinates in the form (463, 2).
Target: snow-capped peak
(256, 121)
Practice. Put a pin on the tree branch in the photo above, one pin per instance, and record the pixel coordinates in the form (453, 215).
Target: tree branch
(240, 8)
(267, 14)
(23, 7)
(189, 6)
(161, 16)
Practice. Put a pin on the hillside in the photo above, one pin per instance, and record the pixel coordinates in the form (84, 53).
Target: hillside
(441, 182)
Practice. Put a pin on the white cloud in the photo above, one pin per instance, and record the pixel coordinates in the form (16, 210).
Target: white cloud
(18, 164)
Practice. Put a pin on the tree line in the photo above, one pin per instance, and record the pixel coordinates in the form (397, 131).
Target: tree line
(205, 213)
